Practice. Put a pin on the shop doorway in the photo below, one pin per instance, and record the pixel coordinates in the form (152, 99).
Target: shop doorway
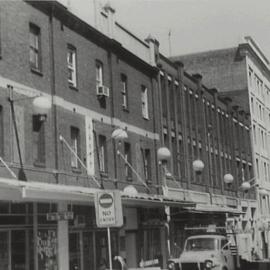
(13, 250)
(81, 251)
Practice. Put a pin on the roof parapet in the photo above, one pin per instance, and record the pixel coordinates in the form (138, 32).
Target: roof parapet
(154, 49)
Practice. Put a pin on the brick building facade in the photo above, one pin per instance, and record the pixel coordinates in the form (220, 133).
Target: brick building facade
(242, 74)
(96, 84)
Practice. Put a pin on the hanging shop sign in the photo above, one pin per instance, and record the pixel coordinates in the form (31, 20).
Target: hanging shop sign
(57, 216)
(108, 207)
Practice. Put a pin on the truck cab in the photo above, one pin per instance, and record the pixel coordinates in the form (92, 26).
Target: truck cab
(205, 252)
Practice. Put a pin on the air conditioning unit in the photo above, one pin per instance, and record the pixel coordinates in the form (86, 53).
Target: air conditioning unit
(103, 91)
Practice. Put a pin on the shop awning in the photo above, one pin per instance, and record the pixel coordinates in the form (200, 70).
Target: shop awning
(16, 190)
(212, 208)
(148, 200)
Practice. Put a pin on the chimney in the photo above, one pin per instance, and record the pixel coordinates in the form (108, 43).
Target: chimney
(111, 20)
(153, 49)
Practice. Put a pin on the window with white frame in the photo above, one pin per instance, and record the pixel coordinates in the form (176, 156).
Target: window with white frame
(71, 62)
(144, 100)
(124, 91)
(146, 157)
(127, 155)
(75, 145)
(34, 47)
(250, 76)
(99, 73)
(102, 141)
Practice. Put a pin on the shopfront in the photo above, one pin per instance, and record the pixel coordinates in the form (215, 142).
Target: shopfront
(31, 240)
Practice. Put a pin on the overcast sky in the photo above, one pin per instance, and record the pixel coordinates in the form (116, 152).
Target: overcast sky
(196, 25)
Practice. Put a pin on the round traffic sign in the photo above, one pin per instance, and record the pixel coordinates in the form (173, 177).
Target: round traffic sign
(106, 200)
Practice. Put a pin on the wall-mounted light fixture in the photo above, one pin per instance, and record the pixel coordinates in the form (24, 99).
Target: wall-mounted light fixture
(120, 134)
(41, 107)
(198, 166)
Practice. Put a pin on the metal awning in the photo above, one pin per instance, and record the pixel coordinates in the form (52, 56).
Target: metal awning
(148, 200)
(212, 208)
(16, 190)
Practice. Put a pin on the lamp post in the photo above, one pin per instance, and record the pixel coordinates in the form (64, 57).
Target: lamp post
(41, 107)
(164, 155)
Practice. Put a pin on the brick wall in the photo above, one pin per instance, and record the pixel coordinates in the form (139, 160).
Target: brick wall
(78, 102)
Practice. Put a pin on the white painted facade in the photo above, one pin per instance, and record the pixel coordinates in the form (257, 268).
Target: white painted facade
(258, 85)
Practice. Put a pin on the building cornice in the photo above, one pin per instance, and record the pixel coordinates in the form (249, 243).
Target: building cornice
(84, 29)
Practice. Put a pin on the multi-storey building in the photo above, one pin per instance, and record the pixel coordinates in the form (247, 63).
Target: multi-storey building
(53, 166)
(197, 124)
(242, 73)
(95, 86)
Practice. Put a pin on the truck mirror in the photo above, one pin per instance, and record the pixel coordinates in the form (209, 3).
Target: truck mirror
(226, 246)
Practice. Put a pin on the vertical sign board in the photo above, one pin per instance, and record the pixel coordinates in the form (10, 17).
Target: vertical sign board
(108, 207)
(89, 145)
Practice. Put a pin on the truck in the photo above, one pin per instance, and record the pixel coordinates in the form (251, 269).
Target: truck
(205, 252)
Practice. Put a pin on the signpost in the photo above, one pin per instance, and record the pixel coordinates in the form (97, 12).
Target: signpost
(109, 213)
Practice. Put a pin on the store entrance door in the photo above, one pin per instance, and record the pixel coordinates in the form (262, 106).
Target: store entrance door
(13, 250)
(81, 251)
(4, 251)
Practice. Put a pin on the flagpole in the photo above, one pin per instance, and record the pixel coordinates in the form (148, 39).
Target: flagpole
(170, 44)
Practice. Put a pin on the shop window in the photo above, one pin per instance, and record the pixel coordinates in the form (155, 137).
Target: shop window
(47, 249)
(1, 132)
(74, 251)
(102, 256)
(38, 141)
(34, 47)
(152, 245)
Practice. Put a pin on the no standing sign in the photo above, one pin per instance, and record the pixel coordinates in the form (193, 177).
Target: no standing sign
(108, 209)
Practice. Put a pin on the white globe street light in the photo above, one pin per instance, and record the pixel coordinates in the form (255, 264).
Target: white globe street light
(228, 178)
(245, 186)
(263, 192)
(41, 105)
(198, 166)
(119, 134)
(163, 154)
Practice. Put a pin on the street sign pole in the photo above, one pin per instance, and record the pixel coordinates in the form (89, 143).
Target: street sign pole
(109, 247)
(109, 213)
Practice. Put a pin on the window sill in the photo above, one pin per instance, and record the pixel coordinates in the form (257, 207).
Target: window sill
(39, 164)
(72, 87)
(104, 175)
(36, 71)
(76, 170)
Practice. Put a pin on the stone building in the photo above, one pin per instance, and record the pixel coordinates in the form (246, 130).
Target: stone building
(242, 74)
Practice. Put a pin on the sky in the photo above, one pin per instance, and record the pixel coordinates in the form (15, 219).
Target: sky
(195, 25)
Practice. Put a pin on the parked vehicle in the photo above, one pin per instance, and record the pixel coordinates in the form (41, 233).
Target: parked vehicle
(204, 252)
